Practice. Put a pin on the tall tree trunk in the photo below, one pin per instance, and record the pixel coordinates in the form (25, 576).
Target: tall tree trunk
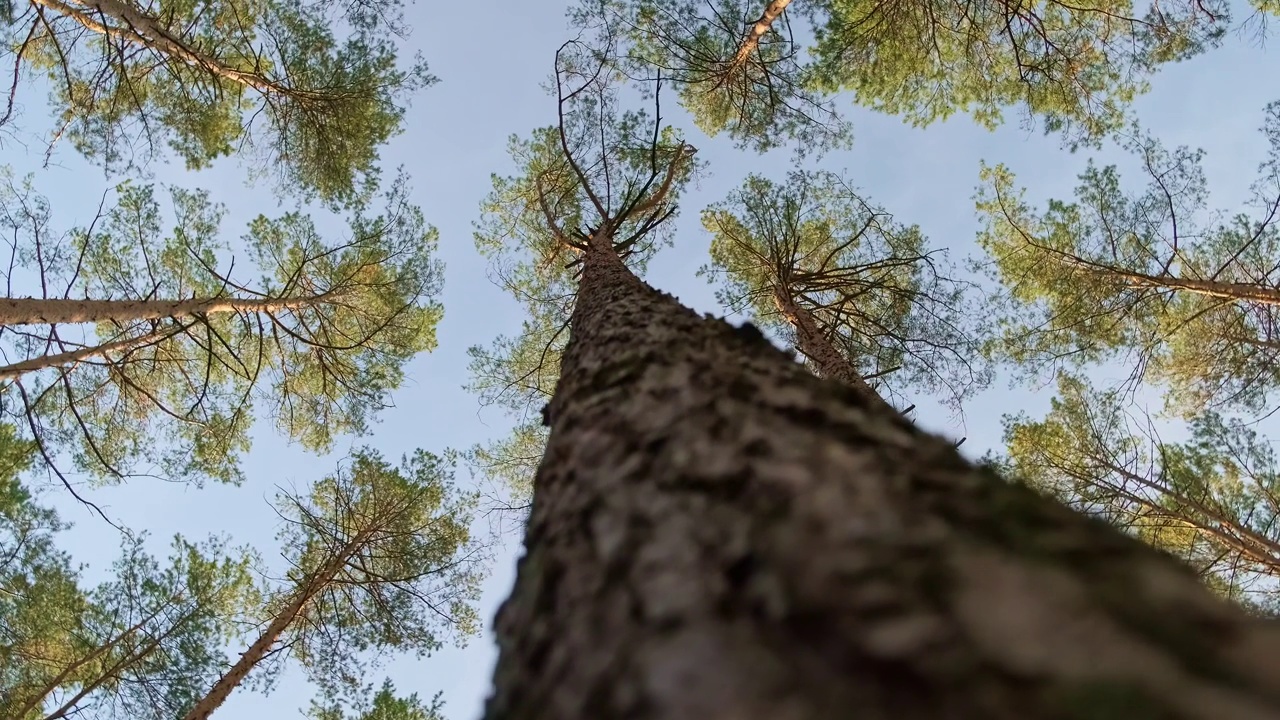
(138, 28)
(718, 534)
(232, 678)
(772, 12)
(37, 311)
(814, 344)
(1231, 291)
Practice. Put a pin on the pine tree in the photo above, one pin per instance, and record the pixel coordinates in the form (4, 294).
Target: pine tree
(717, 533)
(146, 346)
(215, 78)
(528, 228)
(1141, 277)
(740, 69)
(864, 298)
(380, 558)
(141, 645)
(1211, 500)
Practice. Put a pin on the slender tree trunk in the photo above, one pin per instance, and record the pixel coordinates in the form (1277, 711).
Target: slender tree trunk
(814, 344)
(249, 659)
(772, 12)
(36, 699)
(36, 311)
(1232, 291)
(1247, 292)
(717, 534)
(138, 28)
(16, 370)
(1257, 547)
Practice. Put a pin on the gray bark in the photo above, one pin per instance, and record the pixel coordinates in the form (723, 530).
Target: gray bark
(718, 534)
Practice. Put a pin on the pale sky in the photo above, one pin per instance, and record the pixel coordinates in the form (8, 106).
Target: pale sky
(492, 58)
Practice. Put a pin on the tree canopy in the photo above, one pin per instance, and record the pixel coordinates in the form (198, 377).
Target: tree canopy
(379, 558)
(875, 290)
(1213, 500)
(152, 340)
(141, 644)
(1185, 297)
(598, 166)
(311, 90)
(740, 69)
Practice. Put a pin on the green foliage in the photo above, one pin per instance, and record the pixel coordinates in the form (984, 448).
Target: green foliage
(144, 644)
(1211, 500)
(593, 169)
(760, 101)
(385, 705)
(211, 78)
(385, 556)
(1076, 66)
(872, 285)
(180, 391)
(512, 461)
(1143, 277)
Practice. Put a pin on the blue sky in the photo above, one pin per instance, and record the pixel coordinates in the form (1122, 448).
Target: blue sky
(492, 58)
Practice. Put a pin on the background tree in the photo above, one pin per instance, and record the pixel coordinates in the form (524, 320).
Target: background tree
(1213, 501)
(734, 63)
(862, 297)
(598, 161)
(1075, 66)
(147, 345)
(739, 68)
(210, 79)
(142, 644)
(380, 558)
(1143, 277)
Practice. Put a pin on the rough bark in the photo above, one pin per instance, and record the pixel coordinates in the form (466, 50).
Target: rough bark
(255, 653)
(37, 311)
(751, 41)
(718, 534)
(138, 28)
(815, 345)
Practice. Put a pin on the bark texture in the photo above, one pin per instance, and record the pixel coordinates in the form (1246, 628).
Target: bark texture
(816, 346)
(718, 534)
(40, 311)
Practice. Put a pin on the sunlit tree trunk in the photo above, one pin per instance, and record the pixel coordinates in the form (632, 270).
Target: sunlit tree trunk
(1226, 290)
(772, 12)
(37, 311)
(256, 652)
(718, 534)
(13, 371)
(137, 28)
